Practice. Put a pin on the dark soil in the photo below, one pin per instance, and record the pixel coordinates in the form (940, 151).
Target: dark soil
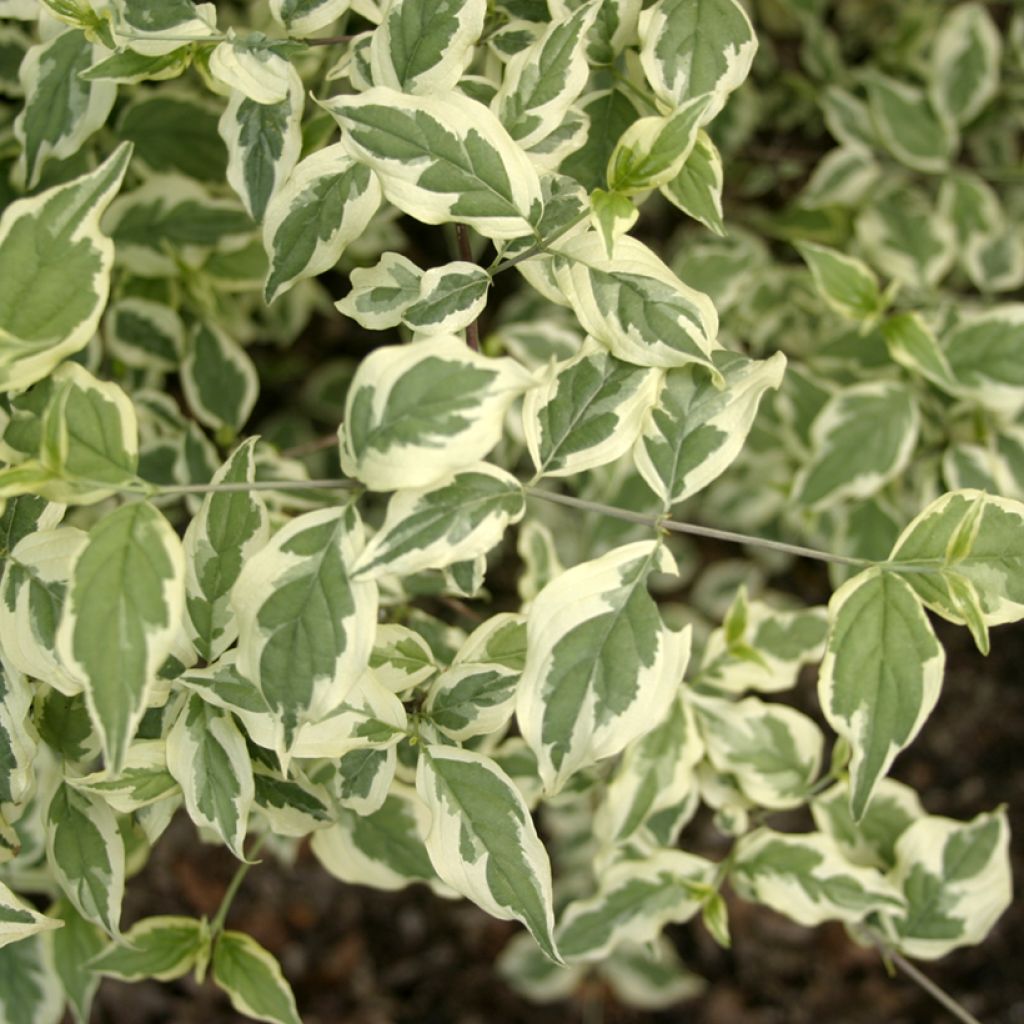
(357, 956)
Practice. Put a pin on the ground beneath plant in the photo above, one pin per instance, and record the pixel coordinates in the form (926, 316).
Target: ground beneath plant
(356, 956)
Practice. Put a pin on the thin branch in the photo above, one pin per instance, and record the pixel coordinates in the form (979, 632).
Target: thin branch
(924, 982)
(695, 530)
(466, 253)
(234, 885)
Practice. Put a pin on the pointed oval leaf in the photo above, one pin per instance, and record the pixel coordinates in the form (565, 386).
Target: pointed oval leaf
(51, 244)
(435, 527)
(601, 667)
(305, 627)
(416, 412)
(121, 617)
(252, 979)
(881, 675)
(442, 159)
(482, 841)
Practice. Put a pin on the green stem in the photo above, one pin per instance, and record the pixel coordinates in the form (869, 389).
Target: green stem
(217, 924)
(924, 982)
(538, 249)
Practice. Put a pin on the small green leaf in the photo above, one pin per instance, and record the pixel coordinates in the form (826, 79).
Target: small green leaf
(845, 283)
(252, 979)
(162, 948)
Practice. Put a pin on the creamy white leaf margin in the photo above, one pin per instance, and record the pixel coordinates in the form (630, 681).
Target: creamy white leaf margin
(685, 325)
(455, 429)
(421, 146)
(482, 840)
(578, 701)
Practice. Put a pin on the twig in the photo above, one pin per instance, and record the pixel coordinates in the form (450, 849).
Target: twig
(695, 530)
(924, 982)
(466, 253)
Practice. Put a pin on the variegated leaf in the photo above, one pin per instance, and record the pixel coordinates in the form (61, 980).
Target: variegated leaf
(385, 849)
(207, 755)
(425, 50)
(325, 204)
(655, 773)
(263, 140)
(907, 124)
(842, 177)
(301, 17)
(881, 674)
(257, 72)
(773, 752)
(807, 879)
(89, 435)
(442, 159)
(252, 979)
(121, 616)
(414, 413)
(601, 667)
(653, 150)
(51, 243)
(145, 334)
(966, 56)
(634, 305)
(382, 293)
(32, 596)
(142, 781)
(156, 28)
(902, 234)
(542, 81)
(984, 353)
(401, 659)
(451, 297)
(305, 627)
(870, 842)
(472, 699)
(765, 652)
(60, 110)
(844, 282)
(18, 744)
(228, 530)
(587, 411)
(434, 527)
(696, 428)
(85, 851)
(635, 900)
(697, 188)
(978, 536)
(955, 877)
(292, 806)
(482, 841)
(692, 47)
(218, 378)
(161, 948)
(18, 920)
(361, 779)
(863, 437)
